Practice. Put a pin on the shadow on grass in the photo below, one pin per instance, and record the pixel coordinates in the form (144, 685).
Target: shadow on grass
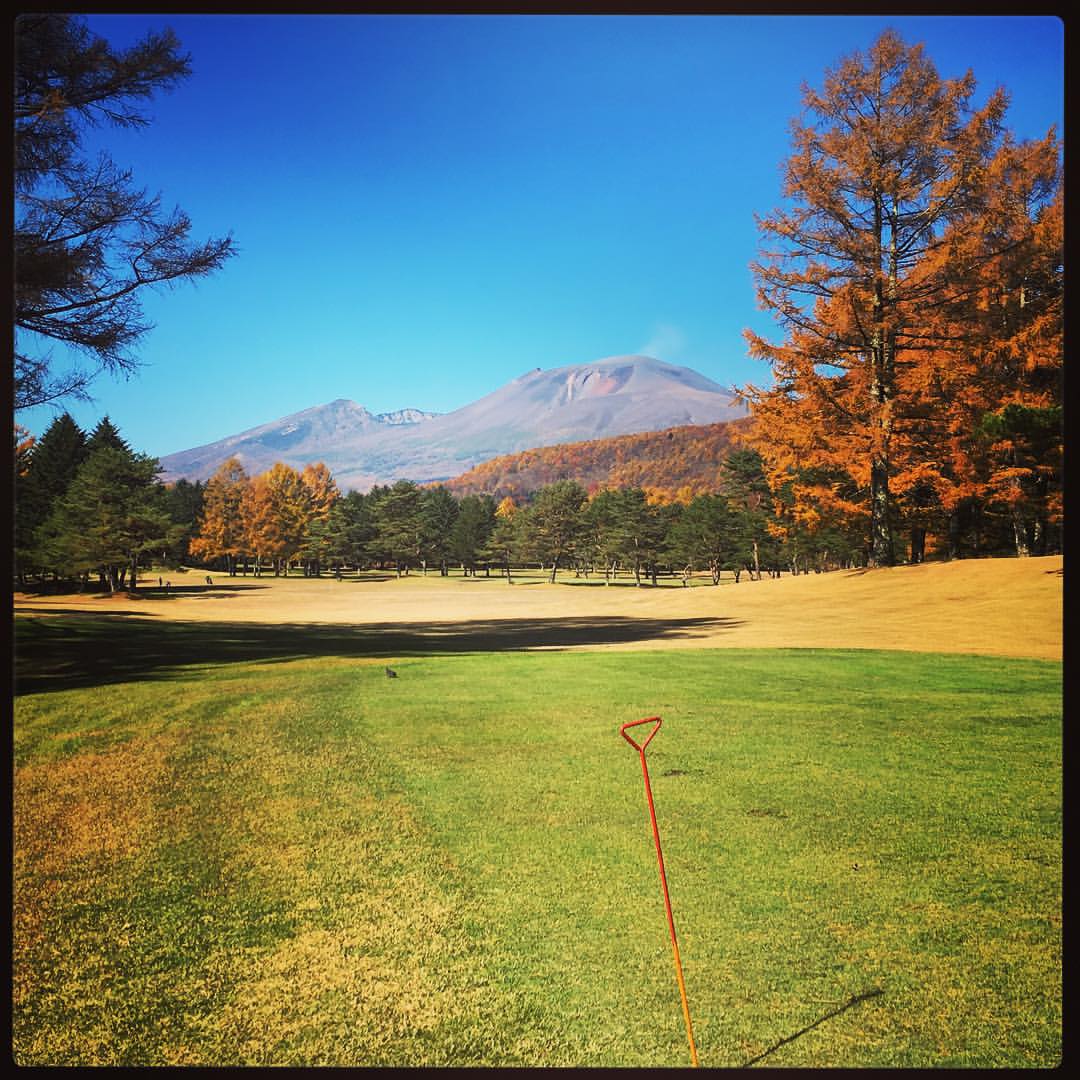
(849, 1004)
(69, 650)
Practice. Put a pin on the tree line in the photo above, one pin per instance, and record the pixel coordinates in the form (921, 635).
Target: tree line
(283, 518)
(87, 504)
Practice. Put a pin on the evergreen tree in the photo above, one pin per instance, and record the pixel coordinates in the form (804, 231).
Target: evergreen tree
(350, 529)
(183, 502)
(106, 433)
(399, 527)
(554, 522)
(600, 522)
(53, 462)
(706, 535)
(108, 517)
(438, 512)
(472, 529)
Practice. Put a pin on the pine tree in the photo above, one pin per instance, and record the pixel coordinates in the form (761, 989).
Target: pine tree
(108, 517)
(53, 462)
(472, 529)
(554, 522)
(398, 525)
(438, 512)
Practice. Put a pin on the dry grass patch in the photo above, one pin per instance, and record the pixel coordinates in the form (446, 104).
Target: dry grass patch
(1005, 607)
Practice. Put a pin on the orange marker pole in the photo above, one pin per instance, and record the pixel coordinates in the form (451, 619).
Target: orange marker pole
(663, 877)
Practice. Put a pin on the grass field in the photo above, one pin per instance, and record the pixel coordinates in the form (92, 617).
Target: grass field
(237, 842)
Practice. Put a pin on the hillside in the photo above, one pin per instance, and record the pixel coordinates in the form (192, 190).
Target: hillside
(671, 465)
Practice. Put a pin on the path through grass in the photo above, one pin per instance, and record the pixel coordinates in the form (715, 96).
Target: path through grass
(304, 862)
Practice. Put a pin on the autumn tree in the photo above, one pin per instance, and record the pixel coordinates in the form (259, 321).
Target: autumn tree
(992, 392)
(322, 494)
(87, 241)
(888, 159)
(274, 512)
(505, 541)
(220, 531)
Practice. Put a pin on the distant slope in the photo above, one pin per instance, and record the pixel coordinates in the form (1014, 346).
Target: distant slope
(323, 433)
(615, 396)
(672, 465)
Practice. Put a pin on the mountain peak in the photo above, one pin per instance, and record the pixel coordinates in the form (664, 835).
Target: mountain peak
(615, 395)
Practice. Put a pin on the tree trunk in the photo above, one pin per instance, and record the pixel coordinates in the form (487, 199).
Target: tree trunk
(554, 567)
(881, 540)
(918, 543)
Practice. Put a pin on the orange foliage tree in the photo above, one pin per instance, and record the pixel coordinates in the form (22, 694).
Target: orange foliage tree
(866, 274)
(220, 532)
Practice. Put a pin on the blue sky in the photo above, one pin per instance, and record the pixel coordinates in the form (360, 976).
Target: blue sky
(428, 206)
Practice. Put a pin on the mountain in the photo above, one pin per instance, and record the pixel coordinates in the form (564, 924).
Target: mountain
(672, 465)
(616, 396)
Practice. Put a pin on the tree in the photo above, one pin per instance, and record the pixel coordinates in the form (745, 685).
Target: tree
(707, 535)
(350, 529)
(744, 483)
(472, 529)
(106, 433)
(554, 522)
(505, 540)
(87, 242)
(183, 502)
(220, 529)
(108, 517)
(1001, 358)
(274, 513)
(601, 530)
(889, 160)
(398, 525)
(322, 493)
(438, 512)
(637, 531)
(53, 461)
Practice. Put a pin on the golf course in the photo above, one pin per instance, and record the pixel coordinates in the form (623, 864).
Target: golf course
(239, 841)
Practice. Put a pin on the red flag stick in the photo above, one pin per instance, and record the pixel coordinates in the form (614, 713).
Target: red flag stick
(663, 877)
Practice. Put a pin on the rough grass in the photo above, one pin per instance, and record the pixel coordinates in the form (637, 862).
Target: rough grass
(280, 856)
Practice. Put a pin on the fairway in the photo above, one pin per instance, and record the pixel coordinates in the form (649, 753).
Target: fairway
(236, 841)
(1000, 607)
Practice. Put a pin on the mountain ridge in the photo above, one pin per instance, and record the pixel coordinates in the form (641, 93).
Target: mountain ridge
(576, 402)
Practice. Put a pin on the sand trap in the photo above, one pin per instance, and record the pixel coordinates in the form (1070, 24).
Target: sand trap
(1004, 607)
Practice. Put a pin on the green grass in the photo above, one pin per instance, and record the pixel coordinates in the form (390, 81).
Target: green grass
(276, 855)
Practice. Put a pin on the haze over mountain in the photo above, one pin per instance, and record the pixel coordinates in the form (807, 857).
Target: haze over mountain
(616, 396)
